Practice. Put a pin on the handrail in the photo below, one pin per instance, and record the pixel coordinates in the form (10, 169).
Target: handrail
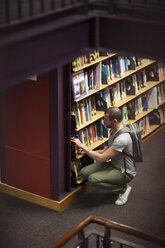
(109, 224)
(24, 12)
(37, 9)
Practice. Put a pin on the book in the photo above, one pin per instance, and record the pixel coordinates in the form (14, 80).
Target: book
(159, 94)
(111, 90)
(126, 63)
(74, 112)
(144, 97)
(107, 97)
(101, 104)
(147, 124)
(144, 78)
(124, 113)
(134, 80)
(131, 63)
(154, 117)
(117, 67)
(86, 82)
(104, 74)
(108, 72)
(99, 129)
(152, 74)
(140, 124)
(144, 125)
(122, 90)
(131, 110)
(136, 107)
(93, 105)
(90, 79)
(89, 101)
(99, 75)
(130, 87)
(140, 82)
(140, 107)
(152, 98)
(78, 85)
(82, 112)
(112, 73)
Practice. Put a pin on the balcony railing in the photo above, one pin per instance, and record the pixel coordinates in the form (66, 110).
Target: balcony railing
(154, 9)
(19, 10)
(105, 239)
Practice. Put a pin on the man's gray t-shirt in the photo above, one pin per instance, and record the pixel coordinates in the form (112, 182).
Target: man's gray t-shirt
(120, 143)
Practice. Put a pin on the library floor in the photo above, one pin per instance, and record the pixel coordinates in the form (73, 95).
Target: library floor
(25, 225)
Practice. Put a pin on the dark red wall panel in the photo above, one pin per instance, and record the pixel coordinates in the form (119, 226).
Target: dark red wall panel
(26, 136)
(28, 172)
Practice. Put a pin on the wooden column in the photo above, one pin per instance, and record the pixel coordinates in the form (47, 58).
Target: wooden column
(2, 161)
(60, 130)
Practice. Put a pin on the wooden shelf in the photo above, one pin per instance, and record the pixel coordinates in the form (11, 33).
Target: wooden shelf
(131, 72)
(101, 58)
(139, 116)
(92, 92)
(98, 143)
(152, 128)
(161, 103)
(94, 145)
(163, 121)
(149, 86)
(99, 115)
(80, 180)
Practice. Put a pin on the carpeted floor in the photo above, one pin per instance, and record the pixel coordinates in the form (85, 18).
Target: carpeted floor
(25, 225)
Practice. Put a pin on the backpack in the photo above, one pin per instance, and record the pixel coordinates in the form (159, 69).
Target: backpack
(136, 135)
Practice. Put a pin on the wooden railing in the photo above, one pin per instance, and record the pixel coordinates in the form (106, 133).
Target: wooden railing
(14, 12)
(19, 10)
(146, 8)
(107, 239)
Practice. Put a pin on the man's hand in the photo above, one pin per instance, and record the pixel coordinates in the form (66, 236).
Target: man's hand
(77, 142)
(81, 151)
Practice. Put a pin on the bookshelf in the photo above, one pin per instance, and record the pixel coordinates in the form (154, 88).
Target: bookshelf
(102, 58)
(139, 116)
(113, 81)
(100, 114)
(96, 144)
(147, 87)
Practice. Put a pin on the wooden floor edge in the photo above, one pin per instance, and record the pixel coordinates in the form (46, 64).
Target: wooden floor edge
(74, 195)
(30, 197)
(43, 201)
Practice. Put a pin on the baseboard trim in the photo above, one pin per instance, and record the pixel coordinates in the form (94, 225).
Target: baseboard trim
(43, 201)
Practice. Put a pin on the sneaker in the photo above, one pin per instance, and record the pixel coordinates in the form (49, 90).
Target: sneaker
(123, 198)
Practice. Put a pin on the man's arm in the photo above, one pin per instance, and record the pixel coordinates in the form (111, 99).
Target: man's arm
(104, 156)
(102, 150)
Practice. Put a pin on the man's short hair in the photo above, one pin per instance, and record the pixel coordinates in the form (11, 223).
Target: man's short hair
(114, 113)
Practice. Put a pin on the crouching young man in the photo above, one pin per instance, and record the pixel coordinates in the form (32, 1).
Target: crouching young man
(111, 175)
